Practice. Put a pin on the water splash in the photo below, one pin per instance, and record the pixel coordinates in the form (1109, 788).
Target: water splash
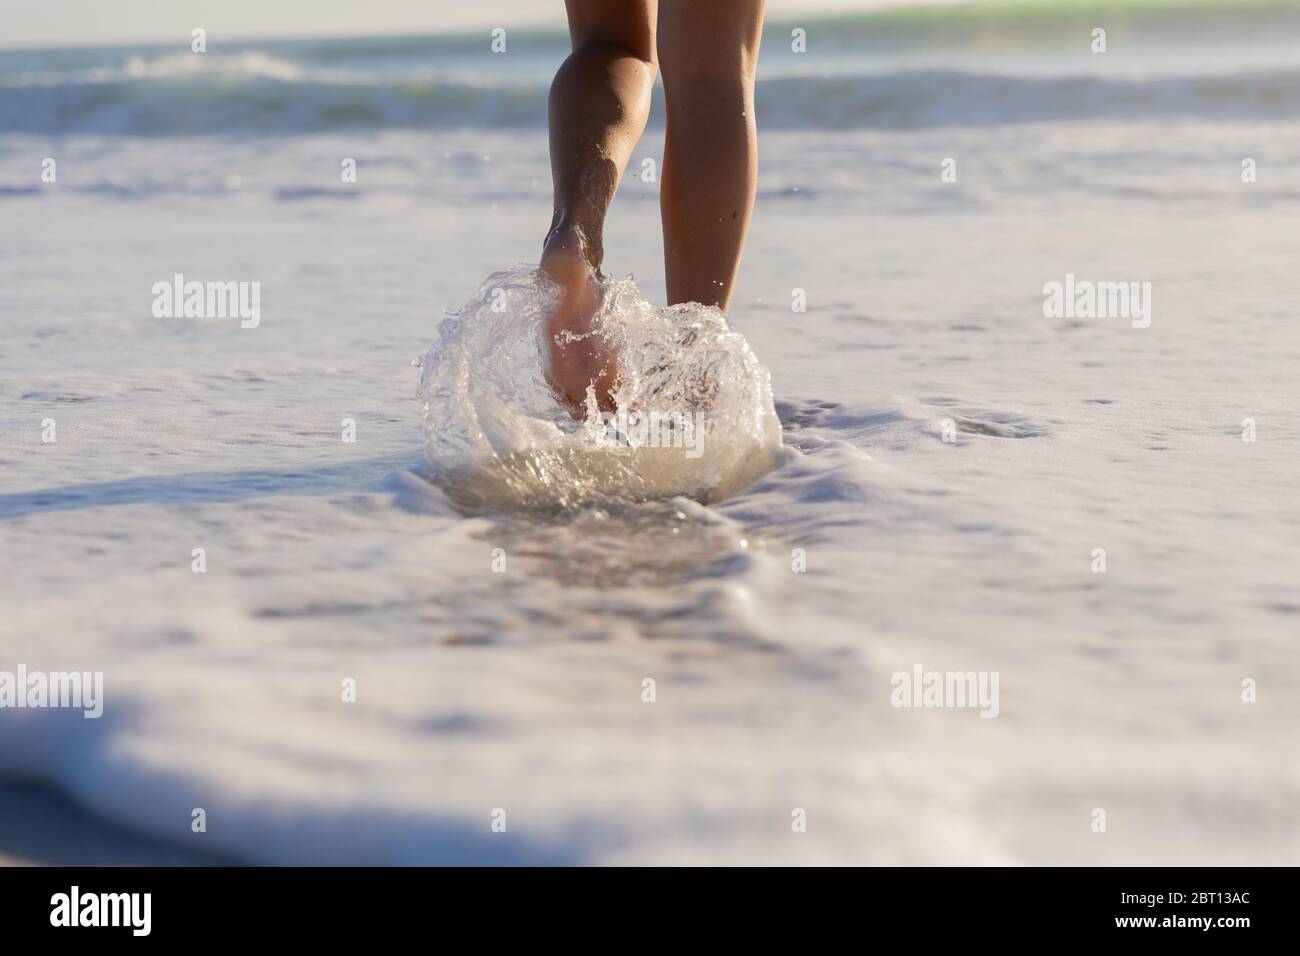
(695, 416)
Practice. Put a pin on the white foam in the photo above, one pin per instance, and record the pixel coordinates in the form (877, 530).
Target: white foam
(327, 561)
(497, 437)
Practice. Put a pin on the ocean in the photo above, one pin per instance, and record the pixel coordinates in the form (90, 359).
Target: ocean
(338, 660)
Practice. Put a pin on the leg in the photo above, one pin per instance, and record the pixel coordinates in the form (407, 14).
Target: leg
(598, 107)
(709, 50)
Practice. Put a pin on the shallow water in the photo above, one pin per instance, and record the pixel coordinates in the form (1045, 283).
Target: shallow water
(950, 459)
(694, 418)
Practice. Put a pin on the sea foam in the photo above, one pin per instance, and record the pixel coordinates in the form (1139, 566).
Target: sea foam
(497, 438)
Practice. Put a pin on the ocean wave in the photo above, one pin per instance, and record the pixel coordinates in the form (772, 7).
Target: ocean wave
(259, 95)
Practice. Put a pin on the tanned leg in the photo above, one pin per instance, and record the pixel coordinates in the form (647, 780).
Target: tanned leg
(708, 53)
(599, 103)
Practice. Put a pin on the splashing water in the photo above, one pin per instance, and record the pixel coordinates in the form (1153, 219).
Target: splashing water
(695, 413)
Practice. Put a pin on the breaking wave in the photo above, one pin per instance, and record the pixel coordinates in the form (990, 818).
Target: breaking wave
(257, 94)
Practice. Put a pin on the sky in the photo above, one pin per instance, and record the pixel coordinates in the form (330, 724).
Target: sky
(55, 23)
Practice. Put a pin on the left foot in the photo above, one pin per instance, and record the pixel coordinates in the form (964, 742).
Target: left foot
(578, 358)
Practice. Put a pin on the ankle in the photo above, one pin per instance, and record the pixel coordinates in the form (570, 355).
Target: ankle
(569, 238)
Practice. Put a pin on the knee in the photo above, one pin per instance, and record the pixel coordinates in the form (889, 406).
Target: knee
(614, 45)
(712, 82)
(707, 95)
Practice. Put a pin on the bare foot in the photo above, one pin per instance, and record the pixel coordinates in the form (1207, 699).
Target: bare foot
(576, 363)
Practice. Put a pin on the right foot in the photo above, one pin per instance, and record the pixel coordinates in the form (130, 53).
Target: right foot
(578, 358)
